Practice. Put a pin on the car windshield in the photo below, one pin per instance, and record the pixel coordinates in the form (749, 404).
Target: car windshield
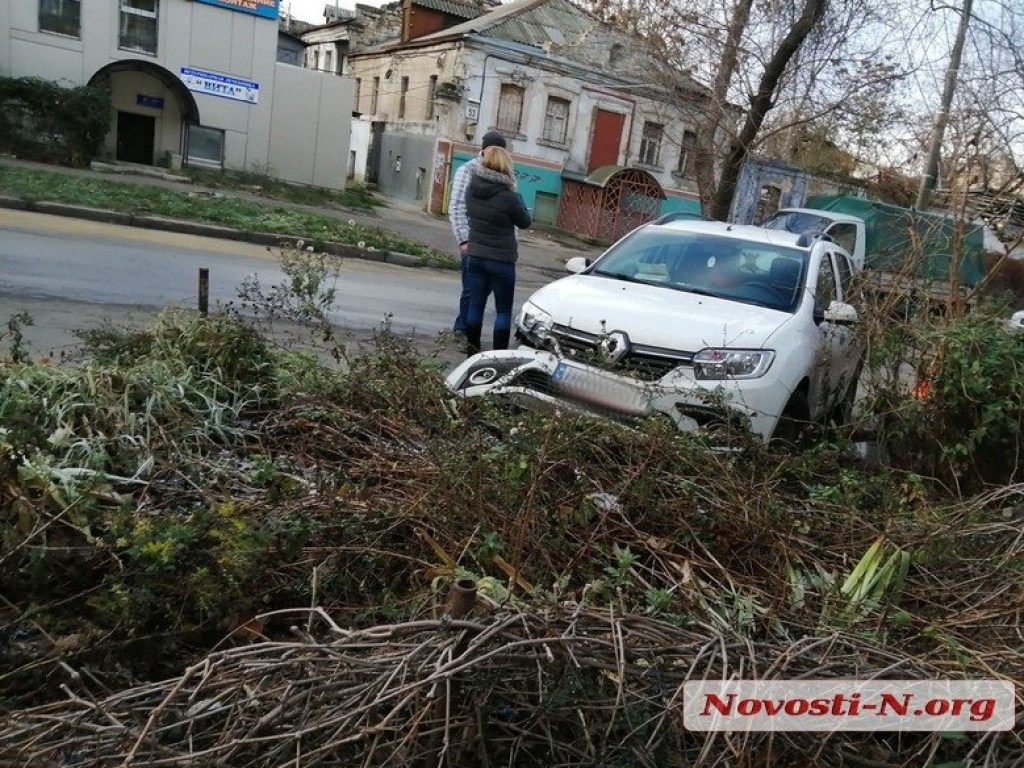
(731, 268)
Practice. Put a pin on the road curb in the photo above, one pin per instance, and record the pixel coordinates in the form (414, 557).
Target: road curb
(149, 221)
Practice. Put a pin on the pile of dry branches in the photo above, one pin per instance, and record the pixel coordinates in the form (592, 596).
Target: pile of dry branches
(569, 686)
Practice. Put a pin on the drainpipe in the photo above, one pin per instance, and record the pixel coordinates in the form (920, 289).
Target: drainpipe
(632, 114)
(483, 82)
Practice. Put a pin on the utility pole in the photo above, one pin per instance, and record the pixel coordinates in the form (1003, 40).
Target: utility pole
(931, 168)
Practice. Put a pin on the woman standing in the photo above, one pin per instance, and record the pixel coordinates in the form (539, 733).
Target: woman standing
(494, 209)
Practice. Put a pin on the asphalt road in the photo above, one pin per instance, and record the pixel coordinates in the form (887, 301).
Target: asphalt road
(62, 268)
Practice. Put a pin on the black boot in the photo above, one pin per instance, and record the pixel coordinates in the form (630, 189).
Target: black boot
(473, 339)
(501, 338)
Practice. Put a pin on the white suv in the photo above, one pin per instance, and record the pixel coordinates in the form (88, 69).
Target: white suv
(704, 322)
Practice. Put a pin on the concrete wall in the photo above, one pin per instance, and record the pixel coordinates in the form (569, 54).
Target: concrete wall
(406, 166)
(200, 36)
(360, 144)
(310, 127)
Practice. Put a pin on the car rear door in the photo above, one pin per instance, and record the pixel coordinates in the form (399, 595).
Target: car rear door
(835, 358)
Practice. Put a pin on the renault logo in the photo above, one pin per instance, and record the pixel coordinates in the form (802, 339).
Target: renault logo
(613, 347)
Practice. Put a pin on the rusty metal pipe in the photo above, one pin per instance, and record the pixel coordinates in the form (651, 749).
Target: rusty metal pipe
(461, 598)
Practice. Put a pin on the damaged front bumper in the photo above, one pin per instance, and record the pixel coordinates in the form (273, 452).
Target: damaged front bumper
(537, 378)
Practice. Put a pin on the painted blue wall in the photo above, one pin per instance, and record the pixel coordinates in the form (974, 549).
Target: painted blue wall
(530, 179)
(673, 204)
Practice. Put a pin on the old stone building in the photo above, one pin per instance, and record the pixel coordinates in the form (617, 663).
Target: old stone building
(590, 113)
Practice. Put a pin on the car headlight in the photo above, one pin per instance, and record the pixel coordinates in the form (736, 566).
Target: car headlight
(534, 321)
(732, 363)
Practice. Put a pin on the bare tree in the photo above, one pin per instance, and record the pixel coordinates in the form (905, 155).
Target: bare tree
(761, 101)
(931, 168)
(807, 60)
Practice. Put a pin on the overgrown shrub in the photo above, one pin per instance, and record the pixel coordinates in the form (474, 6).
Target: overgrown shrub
(949, 396)
(41, 120)
(190, 478)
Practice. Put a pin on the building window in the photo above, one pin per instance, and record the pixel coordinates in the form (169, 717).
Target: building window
(204, 146)
(687, 147)
(328, 61)
(138, 25)
(556, 120)
(510, 108)
(401, 97)
(650, 143)
(359, 88)
(61, 16)
(316, 59)
(374, 95)
(431, 95)
(615, 55)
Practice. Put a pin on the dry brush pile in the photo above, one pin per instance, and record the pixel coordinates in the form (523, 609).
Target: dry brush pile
(191, 483)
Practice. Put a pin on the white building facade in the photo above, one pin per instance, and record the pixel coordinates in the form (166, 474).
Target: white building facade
(192, 81)
(579, 102)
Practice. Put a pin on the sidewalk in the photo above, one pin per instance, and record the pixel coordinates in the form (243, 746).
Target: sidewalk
(541, 256)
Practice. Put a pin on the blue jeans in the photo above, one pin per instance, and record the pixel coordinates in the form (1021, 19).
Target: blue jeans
(486, 276)
(460, 321)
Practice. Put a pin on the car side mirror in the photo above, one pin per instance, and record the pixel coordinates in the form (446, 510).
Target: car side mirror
(840, 314)
(577, 264)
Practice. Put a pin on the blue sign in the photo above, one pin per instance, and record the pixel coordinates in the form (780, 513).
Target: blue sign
(223, 86)
(265, 8)
(153, 102)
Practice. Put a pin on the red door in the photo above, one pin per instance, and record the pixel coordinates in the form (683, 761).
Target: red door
(607, 135)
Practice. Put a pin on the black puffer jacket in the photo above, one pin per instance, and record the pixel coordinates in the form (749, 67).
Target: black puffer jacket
(494, 210)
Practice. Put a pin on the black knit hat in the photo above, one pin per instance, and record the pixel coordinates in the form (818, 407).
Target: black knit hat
(492, 139)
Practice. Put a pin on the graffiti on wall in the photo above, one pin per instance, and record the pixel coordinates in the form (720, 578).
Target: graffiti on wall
(439, 166)
(525, 177)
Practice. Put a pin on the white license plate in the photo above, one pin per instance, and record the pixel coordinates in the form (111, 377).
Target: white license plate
(561, 372)
(594, 387)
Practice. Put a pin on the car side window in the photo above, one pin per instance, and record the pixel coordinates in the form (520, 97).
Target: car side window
(843, 267)
(825, 290)
(845, 235)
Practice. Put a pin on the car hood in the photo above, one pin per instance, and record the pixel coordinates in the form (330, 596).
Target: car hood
(657, 316)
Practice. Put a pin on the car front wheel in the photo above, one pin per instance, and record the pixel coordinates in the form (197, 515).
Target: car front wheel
(794, 421)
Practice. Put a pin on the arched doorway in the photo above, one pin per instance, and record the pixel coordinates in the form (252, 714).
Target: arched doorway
(609, 202)
(151, 109)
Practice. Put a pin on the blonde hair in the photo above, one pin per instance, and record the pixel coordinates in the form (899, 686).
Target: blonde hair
(498, 159)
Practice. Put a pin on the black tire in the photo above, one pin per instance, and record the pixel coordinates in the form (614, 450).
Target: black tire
(793, 423)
